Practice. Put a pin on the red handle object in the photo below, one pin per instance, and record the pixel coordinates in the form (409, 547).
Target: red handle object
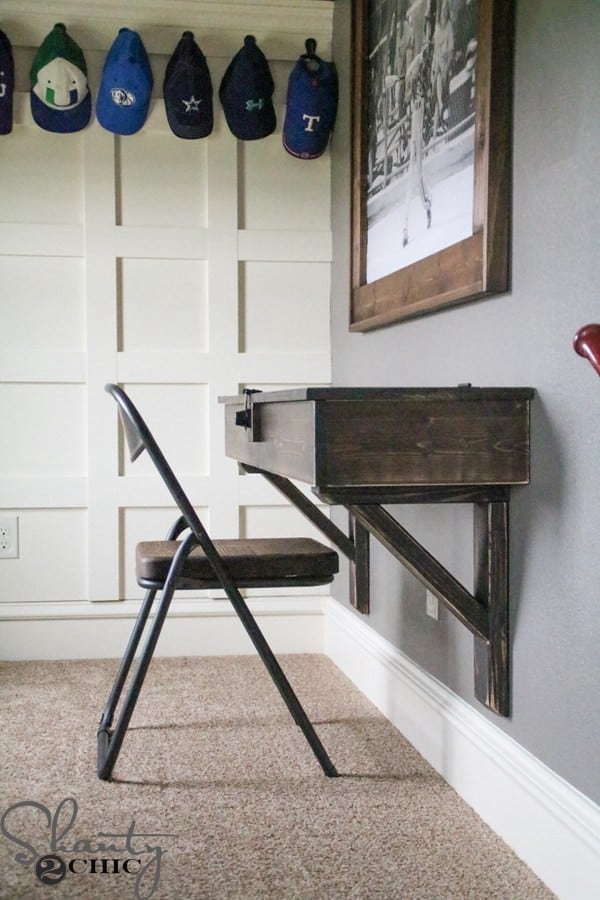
(587, 343)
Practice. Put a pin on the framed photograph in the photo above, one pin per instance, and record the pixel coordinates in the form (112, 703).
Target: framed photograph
(431, 155)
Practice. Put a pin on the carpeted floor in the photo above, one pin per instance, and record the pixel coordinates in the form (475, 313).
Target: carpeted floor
(216, 794)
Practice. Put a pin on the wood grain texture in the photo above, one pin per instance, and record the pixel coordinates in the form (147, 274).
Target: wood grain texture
(392, 437)
(492, 656)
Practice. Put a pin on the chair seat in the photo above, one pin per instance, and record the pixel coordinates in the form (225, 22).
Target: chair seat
(257, 562)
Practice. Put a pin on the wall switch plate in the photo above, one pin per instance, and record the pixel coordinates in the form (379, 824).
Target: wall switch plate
(9, 537)
(432, 606)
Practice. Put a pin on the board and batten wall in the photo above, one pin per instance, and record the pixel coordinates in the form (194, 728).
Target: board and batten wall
(183, 270)
(186, 270)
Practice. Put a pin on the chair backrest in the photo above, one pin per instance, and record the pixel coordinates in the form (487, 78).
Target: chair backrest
(140, 438)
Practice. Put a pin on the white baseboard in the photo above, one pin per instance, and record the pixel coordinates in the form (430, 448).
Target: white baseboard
(193, 628)
(550, 825)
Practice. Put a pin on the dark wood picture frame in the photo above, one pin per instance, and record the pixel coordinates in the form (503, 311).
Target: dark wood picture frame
(476, 266)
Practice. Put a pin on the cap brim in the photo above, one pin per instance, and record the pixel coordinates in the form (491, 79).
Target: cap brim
(250, 130)
(6, 118)
(188, 130)
(306, 152)
(62, 121)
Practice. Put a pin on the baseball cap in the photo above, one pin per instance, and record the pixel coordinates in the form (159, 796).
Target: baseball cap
(246, 93)
(188, 90)
(125, 86)
(60, 96)
(311, 106)
(7, 84)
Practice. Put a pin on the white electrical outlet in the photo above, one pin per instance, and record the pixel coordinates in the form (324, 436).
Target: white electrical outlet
(9, 537)
(432, 606)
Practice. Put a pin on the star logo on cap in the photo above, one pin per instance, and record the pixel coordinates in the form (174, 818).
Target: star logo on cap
(192, 105)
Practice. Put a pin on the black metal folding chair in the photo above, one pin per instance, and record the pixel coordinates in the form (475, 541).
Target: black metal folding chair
(196, 562)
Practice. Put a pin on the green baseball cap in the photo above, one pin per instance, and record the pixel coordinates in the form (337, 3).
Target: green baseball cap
(60, 96)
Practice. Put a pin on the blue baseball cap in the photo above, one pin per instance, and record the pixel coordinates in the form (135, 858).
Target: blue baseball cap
(311, 107)
(7, 84)
(246, 93)
(125, 86)
(60, 96)
(188, 90)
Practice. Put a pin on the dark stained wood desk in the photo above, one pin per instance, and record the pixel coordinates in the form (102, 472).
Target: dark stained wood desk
(364, 448)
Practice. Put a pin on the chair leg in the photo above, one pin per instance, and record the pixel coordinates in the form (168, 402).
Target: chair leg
(121, 676)
(281, 682)
(110, 740)
(142, 617)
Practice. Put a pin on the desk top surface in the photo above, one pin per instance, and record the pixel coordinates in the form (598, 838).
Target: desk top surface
(461, 391)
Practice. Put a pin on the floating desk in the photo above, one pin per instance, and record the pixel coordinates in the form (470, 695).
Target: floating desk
(364, 448)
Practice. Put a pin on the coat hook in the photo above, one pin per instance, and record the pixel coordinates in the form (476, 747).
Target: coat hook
(310, 57)
(311, 47)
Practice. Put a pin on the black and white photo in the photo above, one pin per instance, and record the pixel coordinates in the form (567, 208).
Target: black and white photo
(422, 56)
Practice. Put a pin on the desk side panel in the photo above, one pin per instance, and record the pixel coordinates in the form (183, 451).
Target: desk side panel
(282, 438)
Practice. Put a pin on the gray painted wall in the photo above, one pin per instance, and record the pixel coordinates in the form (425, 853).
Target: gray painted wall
(523, 338)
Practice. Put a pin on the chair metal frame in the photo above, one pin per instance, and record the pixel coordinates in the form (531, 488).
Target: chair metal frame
(109, 738)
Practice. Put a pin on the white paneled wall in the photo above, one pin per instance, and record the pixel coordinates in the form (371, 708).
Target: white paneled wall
(183, 270)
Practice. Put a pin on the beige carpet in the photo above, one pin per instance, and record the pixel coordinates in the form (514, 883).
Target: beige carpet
(216, 776)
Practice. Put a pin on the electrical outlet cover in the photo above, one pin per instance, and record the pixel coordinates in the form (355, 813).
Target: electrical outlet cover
(9, 537)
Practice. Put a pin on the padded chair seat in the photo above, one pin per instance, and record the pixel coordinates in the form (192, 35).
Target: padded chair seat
(272, 561)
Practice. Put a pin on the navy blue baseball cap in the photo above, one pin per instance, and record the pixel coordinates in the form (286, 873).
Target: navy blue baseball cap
(7, 84)
(246, 93)
(188, 90)
(60, 95)
(311, 107)
(125, 86)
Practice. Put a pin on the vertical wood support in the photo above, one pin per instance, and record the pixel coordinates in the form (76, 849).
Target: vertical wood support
(492, 676)
(360, 567)
(102, 329)
(222, 285)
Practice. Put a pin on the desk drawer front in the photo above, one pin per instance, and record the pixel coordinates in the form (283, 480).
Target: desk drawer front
(425, 441)
(419, 438)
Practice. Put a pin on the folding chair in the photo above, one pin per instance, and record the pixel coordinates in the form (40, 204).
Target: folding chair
(196, 562)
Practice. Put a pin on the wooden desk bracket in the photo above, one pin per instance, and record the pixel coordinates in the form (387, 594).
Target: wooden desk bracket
(484, 613)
